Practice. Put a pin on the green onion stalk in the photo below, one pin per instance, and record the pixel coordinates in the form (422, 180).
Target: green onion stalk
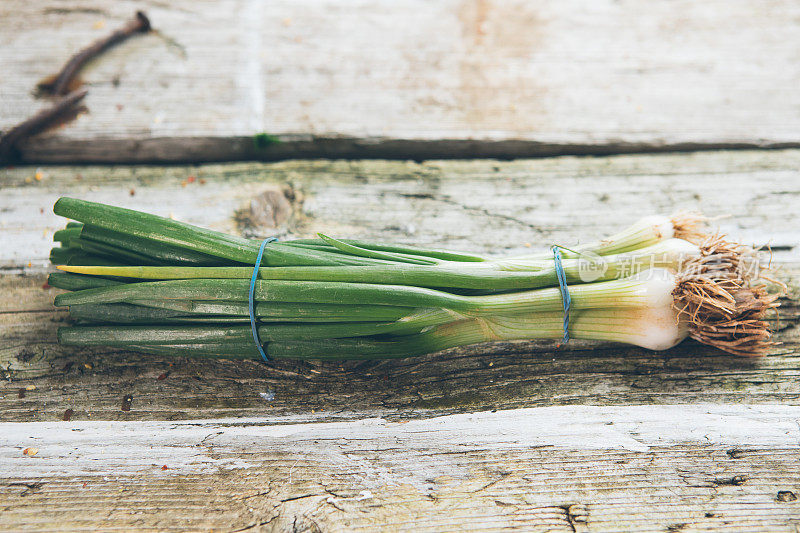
(155, 285)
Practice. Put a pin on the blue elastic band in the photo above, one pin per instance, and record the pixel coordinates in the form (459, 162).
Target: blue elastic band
(562, 283)
(251, 299)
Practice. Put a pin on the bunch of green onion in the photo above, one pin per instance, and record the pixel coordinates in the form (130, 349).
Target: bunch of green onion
(156, 285)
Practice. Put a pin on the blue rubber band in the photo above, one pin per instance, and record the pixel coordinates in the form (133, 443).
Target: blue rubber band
(251, 298)
(565, 297)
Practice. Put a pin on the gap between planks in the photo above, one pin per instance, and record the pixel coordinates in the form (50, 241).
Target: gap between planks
(52, 150)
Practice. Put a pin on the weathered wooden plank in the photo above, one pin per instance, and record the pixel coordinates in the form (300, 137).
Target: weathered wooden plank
(485, 206)
(643, 468)
(316, 457)
(500, 77)
(480, 205)
(92, 383)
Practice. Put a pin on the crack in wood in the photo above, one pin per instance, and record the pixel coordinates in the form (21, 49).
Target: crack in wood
(256, 525)
(734, 481)
(577, 516)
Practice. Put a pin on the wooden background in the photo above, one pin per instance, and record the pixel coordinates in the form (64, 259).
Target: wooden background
(588, 437)
(410, 79)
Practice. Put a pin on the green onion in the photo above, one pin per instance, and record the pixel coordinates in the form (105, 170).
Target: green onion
(160, 286)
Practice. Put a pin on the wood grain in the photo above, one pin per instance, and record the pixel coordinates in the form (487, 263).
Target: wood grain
(415, 79)
(93, 382)
(483, 206)
(589, 437)
(477, 205)
(645, 468)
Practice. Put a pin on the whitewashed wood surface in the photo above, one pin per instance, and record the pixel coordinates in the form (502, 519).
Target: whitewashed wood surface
(589, 437)
(643, 468)
(410, 79)
(483, 206)
(519, 436)
(102, 448)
